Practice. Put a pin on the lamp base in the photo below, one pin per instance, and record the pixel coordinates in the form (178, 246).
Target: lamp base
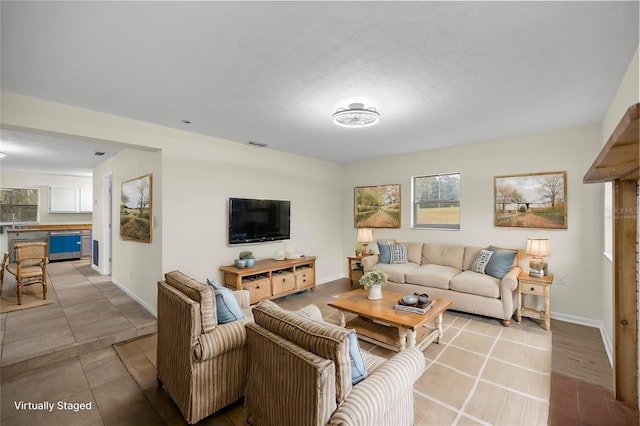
(537, 267)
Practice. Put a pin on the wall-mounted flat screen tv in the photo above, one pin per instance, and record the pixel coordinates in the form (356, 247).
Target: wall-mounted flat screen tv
(252, 221)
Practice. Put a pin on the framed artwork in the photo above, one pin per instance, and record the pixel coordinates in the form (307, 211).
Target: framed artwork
(436, 201)
(136, 209)
(377, 206)
(536, 200)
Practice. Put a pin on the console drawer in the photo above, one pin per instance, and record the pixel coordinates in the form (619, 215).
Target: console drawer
(282, 281)
(258, 286)
(305, 277)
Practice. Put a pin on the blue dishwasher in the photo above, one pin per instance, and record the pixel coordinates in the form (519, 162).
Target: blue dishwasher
(65, 245)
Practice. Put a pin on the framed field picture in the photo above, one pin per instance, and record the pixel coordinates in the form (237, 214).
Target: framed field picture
(377, 206)
(135, 209)
(536, 200)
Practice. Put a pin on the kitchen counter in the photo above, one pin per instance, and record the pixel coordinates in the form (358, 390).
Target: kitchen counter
(52, 227)
(65, 241)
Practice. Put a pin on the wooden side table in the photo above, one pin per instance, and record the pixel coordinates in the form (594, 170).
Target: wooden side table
(535, 286)
(355, 269)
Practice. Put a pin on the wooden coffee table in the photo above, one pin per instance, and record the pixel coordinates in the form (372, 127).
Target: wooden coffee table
(377, 322)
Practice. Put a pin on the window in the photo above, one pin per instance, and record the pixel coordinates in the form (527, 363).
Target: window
(19, 205)
(436, 201)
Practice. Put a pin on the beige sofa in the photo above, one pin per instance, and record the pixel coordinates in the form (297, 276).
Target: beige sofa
(444, 271)
(300, 374)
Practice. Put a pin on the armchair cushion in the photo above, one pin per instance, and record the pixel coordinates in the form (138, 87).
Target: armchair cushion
(201, 293)
(358, 369)
(227, 307)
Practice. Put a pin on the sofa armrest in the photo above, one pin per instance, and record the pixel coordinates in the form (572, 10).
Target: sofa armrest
(510, 281)
(379, 394)
(369, 262)
(243, 296)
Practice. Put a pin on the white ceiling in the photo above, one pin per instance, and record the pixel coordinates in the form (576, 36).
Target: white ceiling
(439, 73)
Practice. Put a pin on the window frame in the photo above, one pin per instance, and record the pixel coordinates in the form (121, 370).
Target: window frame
(18, 220)
(442, 225)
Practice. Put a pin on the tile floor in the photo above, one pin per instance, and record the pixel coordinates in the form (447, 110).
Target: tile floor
(62, 352)
(87, 370)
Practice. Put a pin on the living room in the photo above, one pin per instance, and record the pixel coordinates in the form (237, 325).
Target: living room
(195, 174)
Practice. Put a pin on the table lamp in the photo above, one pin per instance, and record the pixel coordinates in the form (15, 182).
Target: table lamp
(365, 236)
(538, 249)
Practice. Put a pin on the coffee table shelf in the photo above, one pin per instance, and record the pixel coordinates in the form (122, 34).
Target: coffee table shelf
(379, 323)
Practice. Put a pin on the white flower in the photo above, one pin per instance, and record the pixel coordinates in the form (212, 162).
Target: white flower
(372, 278)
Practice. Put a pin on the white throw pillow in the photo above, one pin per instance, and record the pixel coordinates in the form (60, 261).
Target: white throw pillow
(482, 261)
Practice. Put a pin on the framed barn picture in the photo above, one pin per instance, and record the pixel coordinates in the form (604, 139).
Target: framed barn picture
(535, 200)
(377, 206)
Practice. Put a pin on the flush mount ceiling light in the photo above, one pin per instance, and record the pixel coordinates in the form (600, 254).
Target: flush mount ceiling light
(356, 115)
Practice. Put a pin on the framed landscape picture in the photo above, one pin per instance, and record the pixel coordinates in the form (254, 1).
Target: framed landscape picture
(536, 200)
(377, 206)
(135, 209)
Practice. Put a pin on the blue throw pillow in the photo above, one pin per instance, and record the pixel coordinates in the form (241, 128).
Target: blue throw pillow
(227, 307)
(358, 370)
(500, 263)
(385, 253)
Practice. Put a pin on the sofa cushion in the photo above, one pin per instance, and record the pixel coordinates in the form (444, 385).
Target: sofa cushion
(396, 273)
(398, 253)
(414, 252)
(201, 293)
(227, 307)
(475, 283)
(325, 340)
(482, 261)
(385, 253)
(443, 254)
(501, 262)
(432, 276)
(470, 255)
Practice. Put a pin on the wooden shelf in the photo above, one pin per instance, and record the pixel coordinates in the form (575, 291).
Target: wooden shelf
(619, 158)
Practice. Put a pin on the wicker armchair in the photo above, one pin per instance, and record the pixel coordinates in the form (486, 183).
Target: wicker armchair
(30, 267)
(300, 374)
(201, 364)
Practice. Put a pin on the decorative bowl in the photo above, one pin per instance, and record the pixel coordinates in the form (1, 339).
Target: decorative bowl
(240, 263)
(409, 299)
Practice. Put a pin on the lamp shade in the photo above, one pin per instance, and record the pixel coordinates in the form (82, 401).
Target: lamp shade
(538, 247)
(365, 235)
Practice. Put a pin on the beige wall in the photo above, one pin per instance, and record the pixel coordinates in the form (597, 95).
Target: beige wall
(135, 264)
(198, 175)
(575, 252)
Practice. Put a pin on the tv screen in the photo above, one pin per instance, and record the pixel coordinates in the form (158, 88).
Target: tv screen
(253, 221)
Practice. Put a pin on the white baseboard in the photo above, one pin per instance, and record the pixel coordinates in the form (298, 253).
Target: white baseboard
(329, 279)
(136, 298)
(590, 323)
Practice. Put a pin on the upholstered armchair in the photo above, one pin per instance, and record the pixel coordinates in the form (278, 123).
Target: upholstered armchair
(300, 374)
(201, 364)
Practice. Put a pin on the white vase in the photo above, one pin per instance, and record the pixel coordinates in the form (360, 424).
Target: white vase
(375, 292)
